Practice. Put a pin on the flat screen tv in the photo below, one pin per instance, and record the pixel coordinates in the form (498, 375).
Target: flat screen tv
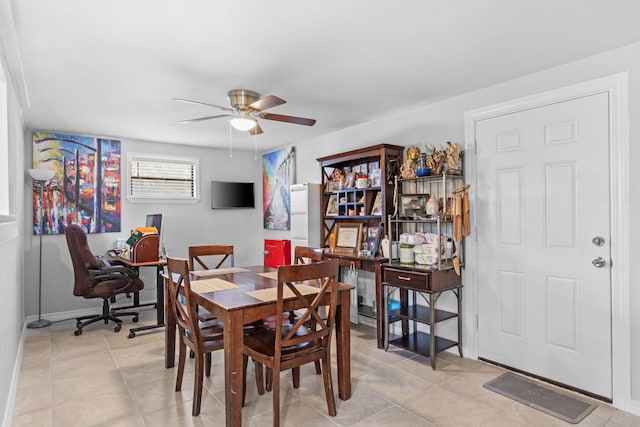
(232, 195)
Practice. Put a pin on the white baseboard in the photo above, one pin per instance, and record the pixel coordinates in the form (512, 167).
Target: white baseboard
(635, 407)
(66, 315)
(15, 378)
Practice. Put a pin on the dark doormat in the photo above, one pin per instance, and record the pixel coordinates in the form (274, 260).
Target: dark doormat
(562, 406)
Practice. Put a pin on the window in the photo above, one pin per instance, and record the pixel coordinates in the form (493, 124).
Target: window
(4, 147)
(153, 178)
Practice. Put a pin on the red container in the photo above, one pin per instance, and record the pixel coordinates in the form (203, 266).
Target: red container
(277, 253)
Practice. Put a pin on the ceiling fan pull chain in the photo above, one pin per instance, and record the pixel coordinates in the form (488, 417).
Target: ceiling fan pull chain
(255, 144)
(230, 138)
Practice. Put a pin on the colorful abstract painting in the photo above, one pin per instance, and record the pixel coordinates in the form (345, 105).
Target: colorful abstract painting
(278, 173)
(85, 189)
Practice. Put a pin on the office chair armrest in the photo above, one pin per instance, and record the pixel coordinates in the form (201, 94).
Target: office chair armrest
(114, 273)
(119, 269)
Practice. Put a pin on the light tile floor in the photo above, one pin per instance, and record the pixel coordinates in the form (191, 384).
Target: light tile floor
(102, 378)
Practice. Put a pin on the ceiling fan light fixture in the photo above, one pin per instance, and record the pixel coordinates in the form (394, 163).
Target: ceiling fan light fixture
(243, 122)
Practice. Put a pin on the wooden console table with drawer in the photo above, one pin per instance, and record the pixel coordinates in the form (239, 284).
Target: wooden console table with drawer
(413, 282)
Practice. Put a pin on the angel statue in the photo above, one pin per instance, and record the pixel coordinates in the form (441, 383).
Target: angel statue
(453, 157)
(407, 170)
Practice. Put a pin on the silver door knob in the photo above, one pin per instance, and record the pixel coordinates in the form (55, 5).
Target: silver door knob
(599, 262)
(598, 241)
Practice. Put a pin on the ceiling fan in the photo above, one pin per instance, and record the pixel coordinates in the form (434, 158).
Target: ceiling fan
(246, 107)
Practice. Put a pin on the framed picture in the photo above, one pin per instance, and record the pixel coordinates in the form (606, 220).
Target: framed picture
(350, 180)
(332, 206)
(413, 206)
(376, 209)
(373, 166)
(374, 176)
(348, 236)
(373, 239)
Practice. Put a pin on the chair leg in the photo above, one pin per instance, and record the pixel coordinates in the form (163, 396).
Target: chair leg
(269, 379)
(207, 365)
(295, 373)
(197, 384)
(318, 370)
(259, 377)
(182, 355)
(276, 395)
(245, 361)
(328, 386)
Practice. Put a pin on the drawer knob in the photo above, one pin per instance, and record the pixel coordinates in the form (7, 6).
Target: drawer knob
(404, 278)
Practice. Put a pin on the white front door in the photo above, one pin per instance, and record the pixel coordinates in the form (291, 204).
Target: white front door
(543, 221)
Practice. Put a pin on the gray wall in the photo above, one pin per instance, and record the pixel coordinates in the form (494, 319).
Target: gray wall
(12, 261)
(434, 124)
(184, 224)
(444, 121)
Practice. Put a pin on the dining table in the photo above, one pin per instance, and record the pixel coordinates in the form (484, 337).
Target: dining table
(239, 296)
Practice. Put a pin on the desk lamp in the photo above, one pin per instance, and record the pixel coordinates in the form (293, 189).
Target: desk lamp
(40, 178)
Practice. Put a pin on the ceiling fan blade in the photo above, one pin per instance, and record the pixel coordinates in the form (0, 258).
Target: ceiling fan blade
(256, 130)
(188, 101)
(199, 119)
(268, 101)
(288, 119)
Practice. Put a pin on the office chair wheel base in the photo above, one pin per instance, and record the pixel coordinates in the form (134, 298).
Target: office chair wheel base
(117, 328)
(78, 325)
(135, 319)
(78, 332)
(132, 334)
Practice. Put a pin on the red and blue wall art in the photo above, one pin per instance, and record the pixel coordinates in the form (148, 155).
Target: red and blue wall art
(85, 189)
(278, 173)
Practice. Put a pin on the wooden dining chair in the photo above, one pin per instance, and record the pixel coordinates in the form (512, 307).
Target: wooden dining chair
(301, 255)
(291, 345)
(203, 258)
(201, 338)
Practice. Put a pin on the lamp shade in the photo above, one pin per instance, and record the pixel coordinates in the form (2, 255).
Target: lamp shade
(41, 174)
(243, 123)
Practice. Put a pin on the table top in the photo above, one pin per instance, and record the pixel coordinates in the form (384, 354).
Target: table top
(249, 280)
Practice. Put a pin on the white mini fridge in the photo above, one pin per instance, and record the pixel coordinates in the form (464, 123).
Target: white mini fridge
(305, 216)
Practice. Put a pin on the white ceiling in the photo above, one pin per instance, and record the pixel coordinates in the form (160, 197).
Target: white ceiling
(110, 68)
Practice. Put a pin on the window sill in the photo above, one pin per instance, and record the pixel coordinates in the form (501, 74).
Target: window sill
(161, 200)
(8, 228)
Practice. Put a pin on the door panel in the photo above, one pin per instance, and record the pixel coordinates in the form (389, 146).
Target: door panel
(543, 194)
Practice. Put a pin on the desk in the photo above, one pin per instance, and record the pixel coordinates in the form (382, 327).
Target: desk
(235, 309)
(159, 291)
(373, 264)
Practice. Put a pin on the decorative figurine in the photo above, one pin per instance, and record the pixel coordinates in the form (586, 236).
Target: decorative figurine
(408, 168)
(453, 157)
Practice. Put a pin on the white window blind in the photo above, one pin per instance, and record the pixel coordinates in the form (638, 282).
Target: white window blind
(163, 178)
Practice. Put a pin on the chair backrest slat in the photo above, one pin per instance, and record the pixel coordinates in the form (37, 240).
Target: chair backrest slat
(307, 255)
(200, 255)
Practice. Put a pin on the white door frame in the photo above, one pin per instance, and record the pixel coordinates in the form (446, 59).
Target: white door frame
(617, 88)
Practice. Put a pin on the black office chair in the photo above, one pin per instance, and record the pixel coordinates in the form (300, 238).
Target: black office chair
(92, 280)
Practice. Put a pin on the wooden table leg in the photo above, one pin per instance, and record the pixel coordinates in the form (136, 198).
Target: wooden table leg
(343, 344)
(169, 330)
(233, 366)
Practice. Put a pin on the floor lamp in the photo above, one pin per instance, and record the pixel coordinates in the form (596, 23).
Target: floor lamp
(40, 178)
